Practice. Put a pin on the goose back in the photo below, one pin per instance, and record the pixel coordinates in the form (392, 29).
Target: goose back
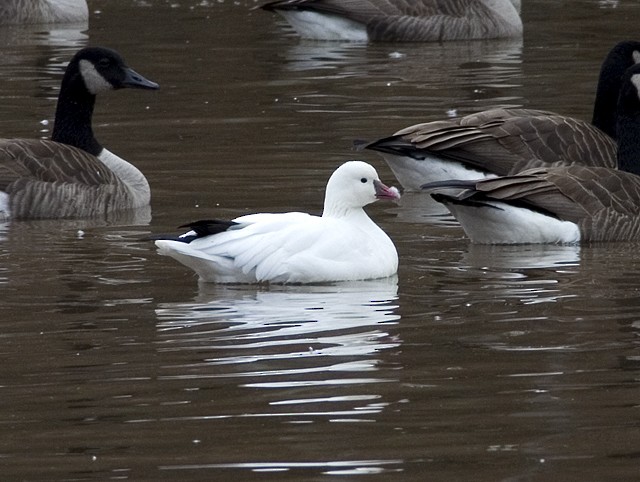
(416, 20)
(46, 179)
(499, 141)
(603, 203)
(43, 11)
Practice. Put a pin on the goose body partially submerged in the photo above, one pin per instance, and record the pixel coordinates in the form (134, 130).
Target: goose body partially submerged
(401, 20)
(570, 204)
(343, 244)
(43, 11)
(73, 175)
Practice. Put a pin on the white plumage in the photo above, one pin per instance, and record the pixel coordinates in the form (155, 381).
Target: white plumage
(341, 245)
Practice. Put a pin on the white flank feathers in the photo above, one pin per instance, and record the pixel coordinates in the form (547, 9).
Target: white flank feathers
(499, 223)
(341, 245)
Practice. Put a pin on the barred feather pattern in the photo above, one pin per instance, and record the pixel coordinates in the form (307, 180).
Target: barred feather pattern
(604, 203)
(505, 141)
(420, 20)
(43, 11)
(46, 179)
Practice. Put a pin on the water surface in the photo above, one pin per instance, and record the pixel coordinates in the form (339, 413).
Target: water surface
(475, 363)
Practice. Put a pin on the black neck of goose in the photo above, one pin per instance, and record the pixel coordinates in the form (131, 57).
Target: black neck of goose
(74, 111)
(629, 142)
(604, 108)
(619, 59)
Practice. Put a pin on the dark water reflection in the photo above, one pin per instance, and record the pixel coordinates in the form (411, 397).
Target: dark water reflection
(477, 363)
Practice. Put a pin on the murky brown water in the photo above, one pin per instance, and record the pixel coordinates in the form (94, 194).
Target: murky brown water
(477, 363)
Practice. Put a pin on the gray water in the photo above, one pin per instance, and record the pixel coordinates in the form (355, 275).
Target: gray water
(476, 363)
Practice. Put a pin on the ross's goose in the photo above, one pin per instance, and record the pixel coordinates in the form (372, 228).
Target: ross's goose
(401, 20)
(563, 204)
(499, 142)
(72, 175)
(341, 245)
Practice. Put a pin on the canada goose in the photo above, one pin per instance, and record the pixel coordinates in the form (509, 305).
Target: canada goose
(568, 204)
(43, 11)
(401, 20)
(343, 244)
(499, 142)
(72, 175)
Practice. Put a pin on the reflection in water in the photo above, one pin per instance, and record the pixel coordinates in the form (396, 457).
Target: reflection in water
(484, 69)
(522, 256)
(419, 207)
(494, 60)
(50, 45)
(33, 58)
(308, 338)
(54, 35)
(505, 365)
(309, 355)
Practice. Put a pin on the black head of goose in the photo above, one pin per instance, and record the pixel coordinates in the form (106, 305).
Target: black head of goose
(570, 204)
(400, 20)
(43, 11)
(500, 142)
(72, 175)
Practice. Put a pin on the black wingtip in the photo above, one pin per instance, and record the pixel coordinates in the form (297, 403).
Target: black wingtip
(449, 184)
(208, 227)
(360, 144)
(442, 198)
(202, 228)
(269, 6)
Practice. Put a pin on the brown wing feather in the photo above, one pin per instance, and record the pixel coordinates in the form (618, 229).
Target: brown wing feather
(506, 141)
(604, 203)
(50, 161)
(46, 179)
(412, 20)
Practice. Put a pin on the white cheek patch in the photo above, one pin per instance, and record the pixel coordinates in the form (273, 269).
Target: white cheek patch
(635, 80)
(5, 211)
(92, 79)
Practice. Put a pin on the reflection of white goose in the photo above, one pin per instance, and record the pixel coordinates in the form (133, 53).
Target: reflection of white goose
(282, 323)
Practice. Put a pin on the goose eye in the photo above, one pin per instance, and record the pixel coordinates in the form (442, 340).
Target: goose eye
(363, 180)
(104, 62)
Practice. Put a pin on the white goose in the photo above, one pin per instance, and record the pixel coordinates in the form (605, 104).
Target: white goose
(72, 175)
(499, 142)
(401, 20)
(343, 244)
(573, 204)
(43, 11)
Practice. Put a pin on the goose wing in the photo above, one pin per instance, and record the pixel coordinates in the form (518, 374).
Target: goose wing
(284, 248)
(366, 10)
(412, 20)
(48, 161)
(604, 203)
(505, 141)
(47, 179)
(357, 10)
